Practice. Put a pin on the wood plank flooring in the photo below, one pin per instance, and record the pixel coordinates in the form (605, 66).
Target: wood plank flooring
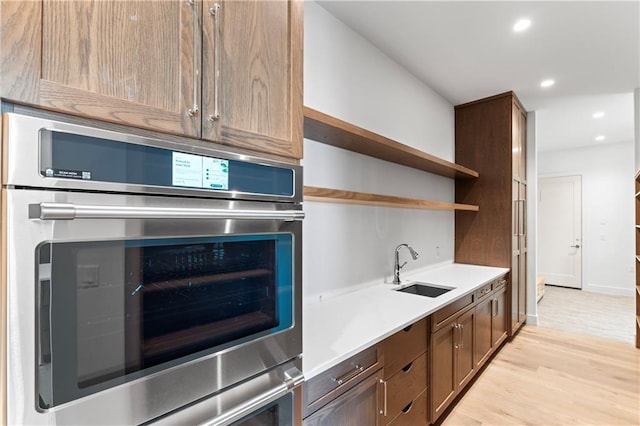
(583, 312)
(550, 377)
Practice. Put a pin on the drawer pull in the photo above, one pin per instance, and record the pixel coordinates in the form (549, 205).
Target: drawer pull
(407, 367)
(407, 328)
(384, 402)
(348, 376)
(408, 408)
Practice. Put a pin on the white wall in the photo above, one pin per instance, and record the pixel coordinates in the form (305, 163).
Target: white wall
(607, 211)
(347, 247)
(636, 115)
(532, 217)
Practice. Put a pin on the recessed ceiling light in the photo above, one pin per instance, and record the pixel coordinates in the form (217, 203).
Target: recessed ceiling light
(598, 114)
(547, 83)
(521, 25)
(599, 138)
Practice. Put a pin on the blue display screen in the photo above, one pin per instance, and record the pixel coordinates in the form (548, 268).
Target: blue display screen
(95, 159)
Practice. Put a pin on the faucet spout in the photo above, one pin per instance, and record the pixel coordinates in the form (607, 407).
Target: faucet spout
(396, 266)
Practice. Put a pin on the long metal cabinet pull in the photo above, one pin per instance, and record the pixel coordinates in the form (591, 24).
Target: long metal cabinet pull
(455, 326)
(523, 226)
(215, 12)
(194, 110)
(461, 327)
(384, 404)
(348, 376)
(65, 211)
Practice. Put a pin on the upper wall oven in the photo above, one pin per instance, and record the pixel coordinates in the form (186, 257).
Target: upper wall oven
(143, 276)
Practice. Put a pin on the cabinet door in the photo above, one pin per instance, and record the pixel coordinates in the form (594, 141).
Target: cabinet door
(484, 344)
(465, 365)
(515, 291)
(127, 62)
(518, 141)
(522, 248)
(358, 406)
(252, 75)
(442, 378)
(498, 320)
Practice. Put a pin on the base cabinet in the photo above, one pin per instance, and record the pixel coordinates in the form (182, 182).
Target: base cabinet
(463, 342)
(358, 406)
(452, 360)
(413, 376)
(405, 376)
(491, 326)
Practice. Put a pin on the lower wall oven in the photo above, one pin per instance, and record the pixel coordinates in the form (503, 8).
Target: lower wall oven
(146, 280)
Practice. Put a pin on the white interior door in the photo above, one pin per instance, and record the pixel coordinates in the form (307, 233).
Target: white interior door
(560, 230)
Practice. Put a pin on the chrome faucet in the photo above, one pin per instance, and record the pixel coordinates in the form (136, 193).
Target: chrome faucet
(397, 266)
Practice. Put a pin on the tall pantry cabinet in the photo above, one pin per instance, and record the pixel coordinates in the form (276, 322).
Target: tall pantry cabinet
(490, 137)
(225, 71)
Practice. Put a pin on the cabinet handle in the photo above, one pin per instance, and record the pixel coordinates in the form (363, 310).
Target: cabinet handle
(194, 110)
(215, 12)
(384, 402)
(407, 328)
(408, 408)
(461, 327)
(524, 218)
(407, 367)
(348, 376)
(515, 216)
(456, 338)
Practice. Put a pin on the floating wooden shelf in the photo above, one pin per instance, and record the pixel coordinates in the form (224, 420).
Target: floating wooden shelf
(332, 131)
(312, 193)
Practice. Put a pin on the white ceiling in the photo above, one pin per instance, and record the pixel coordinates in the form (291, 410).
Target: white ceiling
(468, 50)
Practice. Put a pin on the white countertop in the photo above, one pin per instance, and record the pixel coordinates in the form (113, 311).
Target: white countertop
(338, 328)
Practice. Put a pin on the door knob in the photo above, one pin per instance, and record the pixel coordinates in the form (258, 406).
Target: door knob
(576, 246)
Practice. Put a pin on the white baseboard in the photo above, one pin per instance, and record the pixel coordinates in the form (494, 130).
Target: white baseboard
(532, 319)
(614, 291)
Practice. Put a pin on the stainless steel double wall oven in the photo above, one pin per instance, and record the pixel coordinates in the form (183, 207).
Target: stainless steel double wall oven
(148, 281)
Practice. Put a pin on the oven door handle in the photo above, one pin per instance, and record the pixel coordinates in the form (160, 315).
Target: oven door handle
(68, 211)
(293, 378)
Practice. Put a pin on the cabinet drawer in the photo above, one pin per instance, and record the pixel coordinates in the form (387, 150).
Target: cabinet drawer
(484, 291)
(404, 346)
(500, 282)
(406, 385)
(326, 386)
(440, 317)
(414, 413)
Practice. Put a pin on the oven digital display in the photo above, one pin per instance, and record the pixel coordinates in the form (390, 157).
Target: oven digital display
(196, 171)
(85, 158)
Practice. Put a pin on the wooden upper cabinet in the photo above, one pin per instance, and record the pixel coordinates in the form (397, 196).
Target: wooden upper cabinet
(227, 71)
(519, 137)
(252, 75)
(127, 62)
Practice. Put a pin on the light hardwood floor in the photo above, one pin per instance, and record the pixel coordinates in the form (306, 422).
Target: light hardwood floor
(582, 312)
(550, 377)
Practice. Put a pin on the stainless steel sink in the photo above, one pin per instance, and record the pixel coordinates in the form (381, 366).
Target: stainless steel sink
(425, 289)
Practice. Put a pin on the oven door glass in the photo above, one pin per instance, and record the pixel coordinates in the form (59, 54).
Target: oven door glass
(114, 311)
(279, 413)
